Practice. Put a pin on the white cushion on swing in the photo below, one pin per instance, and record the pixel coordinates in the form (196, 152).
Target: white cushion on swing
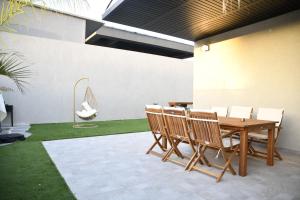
(86, 113)
(86, 106)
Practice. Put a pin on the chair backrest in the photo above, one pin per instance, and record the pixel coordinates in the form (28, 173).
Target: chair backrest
(241, 112)
(201, 110)
(205, 128)
(176, 122)
(221, 111)
(155, 118)
(272, 114)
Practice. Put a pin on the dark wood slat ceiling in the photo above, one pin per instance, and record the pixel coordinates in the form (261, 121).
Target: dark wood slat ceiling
(195, 19)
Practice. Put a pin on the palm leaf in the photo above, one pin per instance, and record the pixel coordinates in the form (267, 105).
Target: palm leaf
(12, 66)
(5, 89)
(11, 8)
(72, 4)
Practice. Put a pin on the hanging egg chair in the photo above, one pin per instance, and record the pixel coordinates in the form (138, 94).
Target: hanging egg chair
(88, 111)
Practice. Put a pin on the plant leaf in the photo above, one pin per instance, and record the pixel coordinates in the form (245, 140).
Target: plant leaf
(12, 66)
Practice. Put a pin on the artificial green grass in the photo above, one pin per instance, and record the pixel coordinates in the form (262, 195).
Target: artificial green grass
(27, 172)
(43, 132)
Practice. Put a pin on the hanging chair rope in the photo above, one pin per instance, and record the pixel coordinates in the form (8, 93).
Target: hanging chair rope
(90, 97)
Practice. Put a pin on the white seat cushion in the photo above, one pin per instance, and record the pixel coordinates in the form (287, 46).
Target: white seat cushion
(226, 142)
(262, 135)
(153, 106)
(173, 108)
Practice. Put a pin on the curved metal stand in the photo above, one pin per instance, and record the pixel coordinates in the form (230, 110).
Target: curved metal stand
(84, 125)
(76, 124)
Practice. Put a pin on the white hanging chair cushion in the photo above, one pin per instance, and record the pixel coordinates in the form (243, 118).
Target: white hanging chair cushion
(86, 114)
(86, 106)
(87, 111)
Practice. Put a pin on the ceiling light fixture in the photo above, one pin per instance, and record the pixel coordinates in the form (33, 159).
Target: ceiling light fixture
(205, 47)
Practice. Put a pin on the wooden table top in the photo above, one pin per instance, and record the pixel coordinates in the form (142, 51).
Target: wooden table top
(237, 122)
(176, 103)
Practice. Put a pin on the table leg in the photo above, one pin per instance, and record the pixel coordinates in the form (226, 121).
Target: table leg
(243, 153)
(271, 140)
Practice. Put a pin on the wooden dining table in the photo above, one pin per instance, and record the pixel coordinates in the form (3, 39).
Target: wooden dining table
(243, 128)
(180, 103)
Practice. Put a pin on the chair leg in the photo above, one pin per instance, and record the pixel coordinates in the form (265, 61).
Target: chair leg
(194, 150)
(204, 157)
(191, 161)
(177, 151)
(277, 154)
(171, 150)
(194, 156)
(261, 154)
(250, 148)
(227, 164)
(158, 142)
(155, 143)
(199, 158)
(150, 149)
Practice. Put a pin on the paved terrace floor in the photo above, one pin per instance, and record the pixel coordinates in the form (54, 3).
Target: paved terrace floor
(116, 168)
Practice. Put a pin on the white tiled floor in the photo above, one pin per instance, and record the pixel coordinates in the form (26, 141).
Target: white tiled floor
(116, 167)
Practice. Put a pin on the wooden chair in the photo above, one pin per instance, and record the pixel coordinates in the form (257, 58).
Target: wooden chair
(241, 112)
(221, 111)
(157, 127)
(206, 132)
(177, 128)
(261, 136)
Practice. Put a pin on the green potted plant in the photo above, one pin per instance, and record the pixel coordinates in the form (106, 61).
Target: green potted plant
(12, 63)
(12, 66)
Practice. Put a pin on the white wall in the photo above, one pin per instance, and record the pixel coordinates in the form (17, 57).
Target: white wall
(123, 81)
(47, 24)
(260, 69)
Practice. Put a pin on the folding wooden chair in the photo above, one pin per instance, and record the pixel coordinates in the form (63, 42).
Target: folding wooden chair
(221, 111)
(157, 127)
(261, 136)
(177, 128)
(241, 112)
(206, 130)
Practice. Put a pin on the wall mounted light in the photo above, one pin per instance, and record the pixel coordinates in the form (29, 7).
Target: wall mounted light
(205, 48)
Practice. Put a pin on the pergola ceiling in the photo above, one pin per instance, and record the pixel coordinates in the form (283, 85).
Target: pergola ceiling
(195, 19)
(118, 43)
